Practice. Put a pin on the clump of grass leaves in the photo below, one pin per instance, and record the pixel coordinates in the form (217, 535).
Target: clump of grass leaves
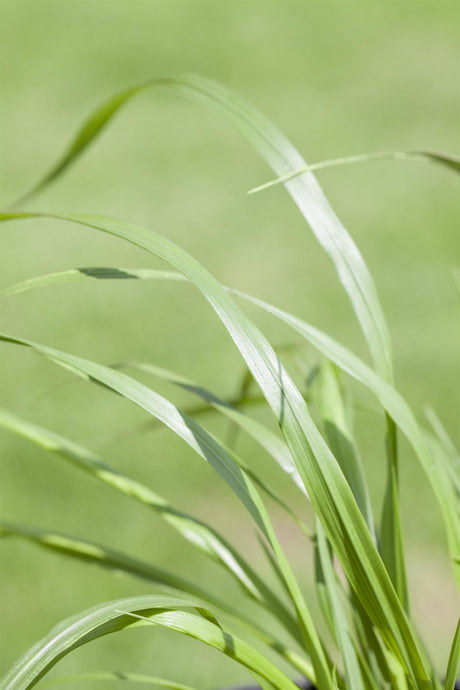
(368, 612)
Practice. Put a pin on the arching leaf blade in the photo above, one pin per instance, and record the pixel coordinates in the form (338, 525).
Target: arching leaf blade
(195, 531)
(119, 615)
(325, 483)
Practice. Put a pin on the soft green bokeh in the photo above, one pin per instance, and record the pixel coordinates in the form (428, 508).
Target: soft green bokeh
(339, 79)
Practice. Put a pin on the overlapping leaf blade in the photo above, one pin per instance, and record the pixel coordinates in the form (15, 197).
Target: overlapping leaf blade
(118, 615)
(273, 444)
(197, 532)
(445, 159)
(105, 557)
(208, 448)
(328, 489)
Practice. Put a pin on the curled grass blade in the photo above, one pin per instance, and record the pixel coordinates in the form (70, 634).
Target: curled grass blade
(118, 615)
(327, 487)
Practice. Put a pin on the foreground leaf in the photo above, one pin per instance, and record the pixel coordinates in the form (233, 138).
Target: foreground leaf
(118, 615)
(103, 556)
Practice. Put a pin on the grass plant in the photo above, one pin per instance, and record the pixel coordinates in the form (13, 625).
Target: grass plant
(364, 603)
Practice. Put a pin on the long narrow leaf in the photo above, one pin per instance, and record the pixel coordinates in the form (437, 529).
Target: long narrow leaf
(197, 532)
(444, 159)
(116, 676)
(389, 398)
(118, 615)
(341, 626)
(284, 159)
(340, 439)
(206, 446)
(327, 487)
(454, 661)
(274, 445)
(105, 557)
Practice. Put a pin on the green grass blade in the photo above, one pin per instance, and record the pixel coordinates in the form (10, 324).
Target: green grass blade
(328, 489)
(105, 557)
(116, 676)
(273, 445)
(210, 450)
(391, 401)
(111, 559)
(352, 671)
(90, 129)
(283, 158)
(286, 162)
(95, 272)
(197, 532)
(340, 438)
(183, 622)
(118, 615)
(445, 159)
(391, 538)
(454, 661)
(309, 197)
(444, 447)
(443, 458)
(269, 441)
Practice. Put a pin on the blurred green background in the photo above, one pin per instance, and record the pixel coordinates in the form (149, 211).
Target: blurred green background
(339, 79)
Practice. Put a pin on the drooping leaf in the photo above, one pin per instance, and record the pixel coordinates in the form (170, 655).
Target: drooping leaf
(197, 532)
(105, 557)
(116, 676)
(328, 489)
(273, 444)
(222, 460)
(118, 615)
